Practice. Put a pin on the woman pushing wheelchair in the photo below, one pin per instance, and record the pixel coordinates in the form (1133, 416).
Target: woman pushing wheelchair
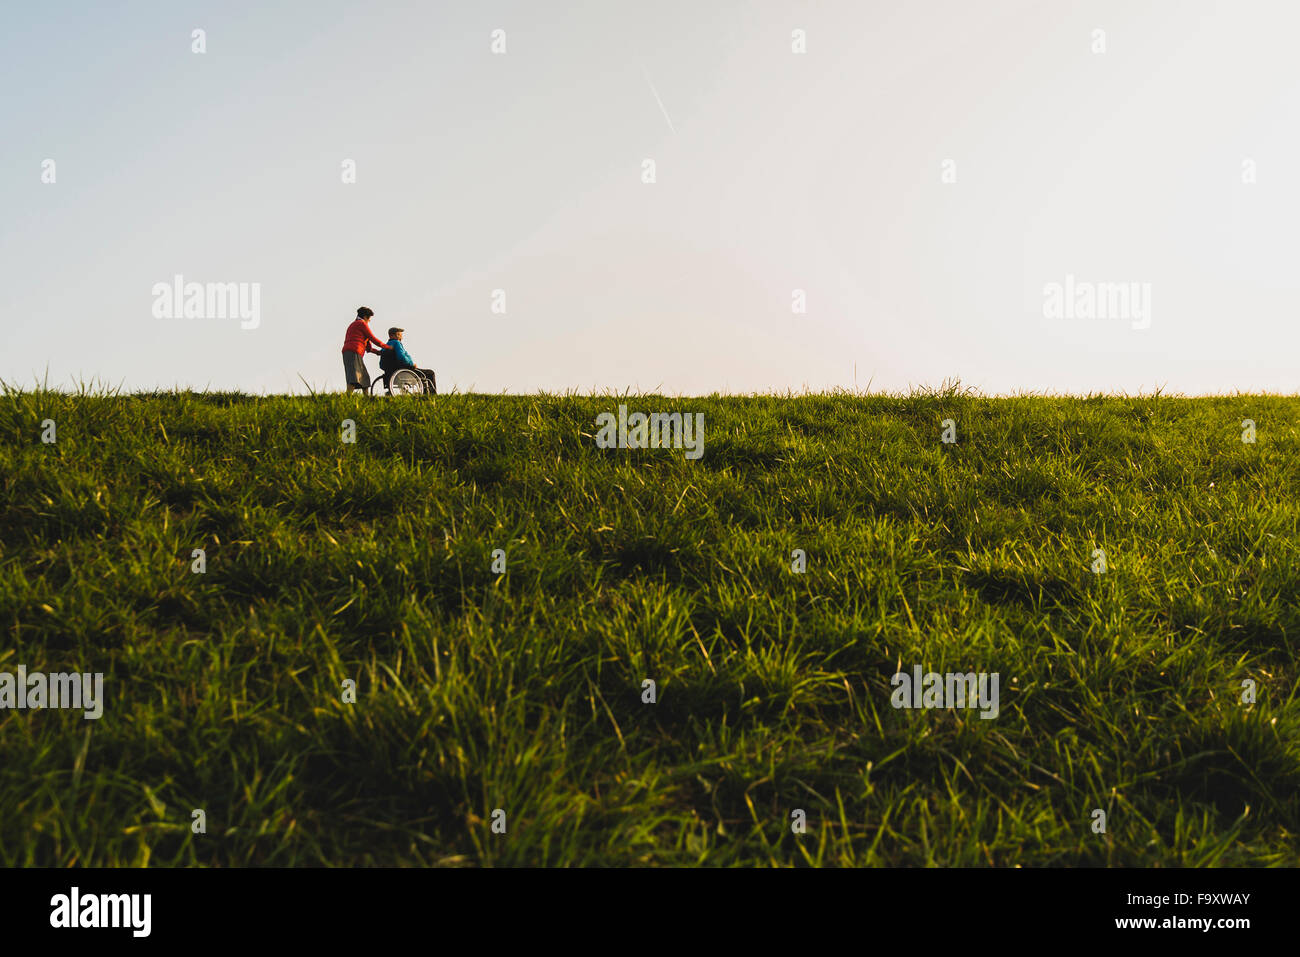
(401, 374)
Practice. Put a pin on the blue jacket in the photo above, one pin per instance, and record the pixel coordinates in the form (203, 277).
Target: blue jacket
(400, 355)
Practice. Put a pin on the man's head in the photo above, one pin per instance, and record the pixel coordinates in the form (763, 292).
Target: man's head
(395, 333)
(365, 312)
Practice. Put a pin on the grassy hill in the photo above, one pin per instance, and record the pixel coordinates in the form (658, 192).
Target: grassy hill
(523, 691)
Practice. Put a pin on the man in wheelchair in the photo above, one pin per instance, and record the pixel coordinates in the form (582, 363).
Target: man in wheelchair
(396, 357)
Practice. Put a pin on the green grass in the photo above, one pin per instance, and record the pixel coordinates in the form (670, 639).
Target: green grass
(325, 561)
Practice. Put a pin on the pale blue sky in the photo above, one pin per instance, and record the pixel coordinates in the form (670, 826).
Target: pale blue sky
(779, 171)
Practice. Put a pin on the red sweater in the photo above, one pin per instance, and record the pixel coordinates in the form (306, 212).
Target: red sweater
(358, 335)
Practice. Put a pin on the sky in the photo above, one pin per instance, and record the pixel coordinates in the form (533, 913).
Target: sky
(849, 195)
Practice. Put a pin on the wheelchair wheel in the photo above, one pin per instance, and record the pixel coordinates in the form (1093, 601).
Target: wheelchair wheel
(406, 382)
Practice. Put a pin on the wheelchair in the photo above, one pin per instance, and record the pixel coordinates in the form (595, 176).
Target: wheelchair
(405, 381)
